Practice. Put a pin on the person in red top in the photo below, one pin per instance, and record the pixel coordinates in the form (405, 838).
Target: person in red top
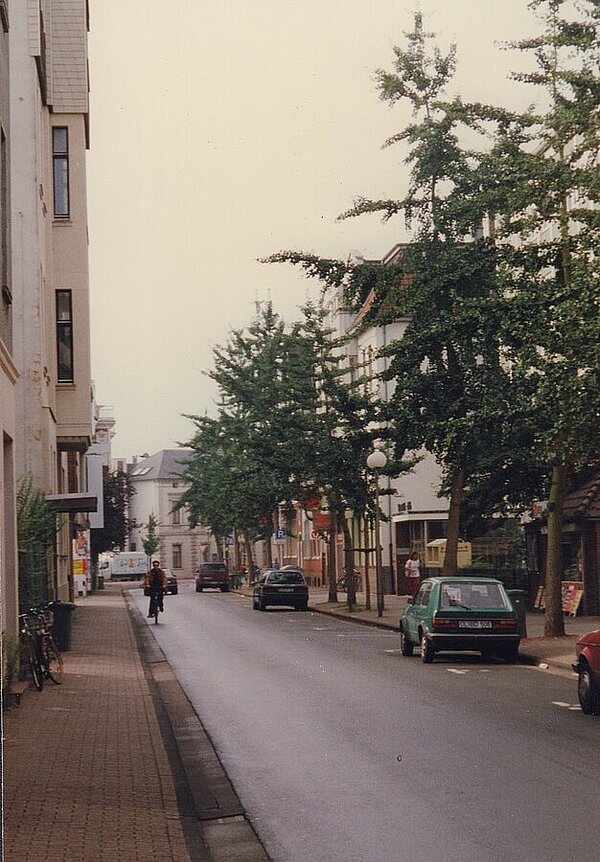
(412, 570)
(155, 584)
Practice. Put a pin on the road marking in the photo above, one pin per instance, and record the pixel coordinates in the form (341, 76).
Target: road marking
(560, 703)
(393, 651)
(455, 670)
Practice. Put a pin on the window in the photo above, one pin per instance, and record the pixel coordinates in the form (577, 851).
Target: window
(176, 517)
(177, 564)
(60, 164)
(64, 335)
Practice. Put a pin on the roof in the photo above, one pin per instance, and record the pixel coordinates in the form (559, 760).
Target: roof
(168, 464)
(583, 501)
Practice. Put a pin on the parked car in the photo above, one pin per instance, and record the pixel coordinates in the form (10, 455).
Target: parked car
(172, 586)
(213, 575)
(285, 586)
(587, 666)
(460, 614)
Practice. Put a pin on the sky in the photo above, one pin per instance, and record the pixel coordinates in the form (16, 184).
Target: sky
(223, 131)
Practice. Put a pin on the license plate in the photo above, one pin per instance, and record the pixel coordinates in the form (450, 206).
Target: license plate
(474, 624)
(285, 590)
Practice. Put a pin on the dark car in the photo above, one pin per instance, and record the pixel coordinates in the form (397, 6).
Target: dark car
(460, 614)
(172, 586)
(587, 666)
(213, 575)
(285, 586)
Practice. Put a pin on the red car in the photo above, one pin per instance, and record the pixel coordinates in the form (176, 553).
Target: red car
(587, 666)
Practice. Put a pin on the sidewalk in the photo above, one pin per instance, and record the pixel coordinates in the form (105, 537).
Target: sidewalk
(534, 649)
(86, 773)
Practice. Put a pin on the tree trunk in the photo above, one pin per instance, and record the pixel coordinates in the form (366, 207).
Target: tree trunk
(349, 565)
(554, 622)
(367, 539)
(331, 558)
(250, 556)
(453, 534)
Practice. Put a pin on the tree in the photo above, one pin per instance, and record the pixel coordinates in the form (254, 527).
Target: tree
(36, 532)
(547, 192)
(151, 541)
(118, 490)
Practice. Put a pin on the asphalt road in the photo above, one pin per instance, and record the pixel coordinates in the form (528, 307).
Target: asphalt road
(341, 750)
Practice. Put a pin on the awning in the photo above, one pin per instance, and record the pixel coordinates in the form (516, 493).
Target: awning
(73, 502)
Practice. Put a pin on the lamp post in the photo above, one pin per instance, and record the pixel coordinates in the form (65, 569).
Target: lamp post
(375, 462)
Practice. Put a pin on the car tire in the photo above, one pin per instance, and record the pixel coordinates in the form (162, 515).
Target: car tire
(254, 605)
(198, 589)
(510, 654)
(302, 607)
(224, 589)
(427, 650)
(261, 605)
(406, 647)
(588, 691)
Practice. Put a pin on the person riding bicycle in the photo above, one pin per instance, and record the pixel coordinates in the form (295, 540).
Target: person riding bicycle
(155, 586)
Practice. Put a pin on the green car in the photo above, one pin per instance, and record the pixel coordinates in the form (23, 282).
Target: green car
(459, 614)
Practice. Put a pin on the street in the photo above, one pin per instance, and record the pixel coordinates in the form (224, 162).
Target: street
(341, 749)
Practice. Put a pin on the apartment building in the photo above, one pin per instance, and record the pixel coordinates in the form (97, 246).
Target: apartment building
(158, 484)
(49, 119)
(8, 369)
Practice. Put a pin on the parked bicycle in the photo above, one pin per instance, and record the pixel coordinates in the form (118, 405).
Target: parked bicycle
(43, 656)
(341, 584)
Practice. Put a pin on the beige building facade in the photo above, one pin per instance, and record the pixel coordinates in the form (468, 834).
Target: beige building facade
(49, 118)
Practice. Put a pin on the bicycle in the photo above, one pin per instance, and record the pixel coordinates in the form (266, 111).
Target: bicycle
(50, 657)
(30, 647)
(154, 606)
(342, 583)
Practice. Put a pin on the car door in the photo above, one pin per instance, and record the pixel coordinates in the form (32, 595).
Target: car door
(417, 611)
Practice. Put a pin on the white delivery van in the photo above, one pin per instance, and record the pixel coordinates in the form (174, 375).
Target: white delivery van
(128, 565)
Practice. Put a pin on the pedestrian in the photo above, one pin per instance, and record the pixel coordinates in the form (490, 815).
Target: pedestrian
(412, 570)
(155, 584)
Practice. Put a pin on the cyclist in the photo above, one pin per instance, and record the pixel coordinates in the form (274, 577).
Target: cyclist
(155, 586)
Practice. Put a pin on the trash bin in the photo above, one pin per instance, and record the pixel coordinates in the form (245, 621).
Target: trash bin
(518, 600)
(61, 624)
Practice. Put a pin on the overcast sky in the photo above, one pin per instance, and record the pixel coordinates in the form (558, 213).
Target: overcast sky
(223, 131)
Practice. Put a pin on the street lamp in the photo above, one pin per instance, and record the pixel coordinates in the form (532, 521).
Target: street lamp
(376, 461)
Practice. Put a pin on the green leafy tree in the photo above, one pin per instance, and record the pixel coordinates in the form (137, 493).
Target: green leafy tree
(118, 490)
(151, 540)
(546, 190)
(36, 532)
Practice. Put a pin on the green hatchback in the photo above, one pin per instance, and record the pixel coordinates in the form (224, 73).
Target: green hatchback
(459, 614)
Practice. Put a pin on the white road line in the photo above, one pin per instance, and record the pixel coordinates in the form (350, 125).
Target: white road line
(560, 703)
(456, 670)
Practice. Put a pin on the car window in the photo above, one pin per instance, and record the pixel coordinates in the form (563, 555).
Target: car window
(472, 596)
(423, 592)
(212, 567)
(282, 577)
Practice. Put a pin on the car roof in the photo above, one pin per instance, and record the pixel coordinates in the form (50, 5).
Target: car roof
(463, 579)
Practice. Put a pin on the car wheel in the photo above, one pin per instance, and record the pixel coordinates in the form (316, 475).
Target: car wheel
(589, 693)
(511, 654)
(427, 650)
(302, 607)
(254, 604)
(224, 589)
(261, 605)
(406, 647)
(198, 589)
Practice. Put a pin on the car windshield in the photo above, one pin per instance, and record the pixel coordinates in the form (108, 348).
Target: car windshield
(472, 596)
(286, 578)
(213, 567)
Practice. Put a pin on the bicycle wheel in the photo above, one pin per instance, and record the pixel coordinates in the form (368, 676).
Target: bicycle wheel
(156, 611)
(54, 661)
(35, 668)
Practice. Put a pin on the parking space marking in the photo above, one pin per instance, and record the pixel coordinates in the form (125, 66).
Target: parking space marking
(573, 707)
(456, 670)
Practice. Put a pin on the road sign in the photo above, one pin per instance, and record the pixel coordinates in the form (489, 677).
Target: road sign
(280, 534)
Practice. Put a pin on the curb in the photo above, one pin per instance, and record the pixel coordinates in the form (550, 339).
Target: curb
(205, 792)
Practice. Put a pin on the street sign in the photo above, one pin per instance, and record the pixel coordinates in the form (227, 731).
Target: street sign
(280, 534)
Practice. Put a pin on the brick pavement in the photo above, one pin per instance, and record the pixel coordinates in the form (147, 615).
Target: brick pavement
(86, 773)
